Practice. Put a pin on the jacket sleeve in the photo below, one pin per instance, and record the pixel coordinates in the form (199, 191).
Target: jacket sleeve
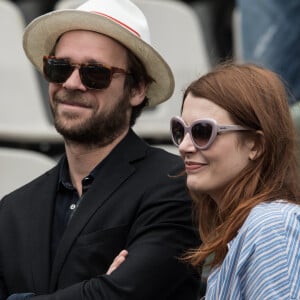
(161, 232)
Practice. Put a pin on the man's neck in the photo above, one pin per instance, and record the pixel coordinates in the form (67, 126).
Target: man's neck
(82, 159)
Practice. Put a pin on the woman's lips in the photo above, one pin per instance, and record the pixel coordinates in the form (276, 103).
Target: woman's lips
(192, 165)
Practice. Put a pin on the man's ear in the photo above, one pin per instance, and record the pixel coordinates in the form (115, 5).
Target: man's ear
(257, 145)
(138, 94)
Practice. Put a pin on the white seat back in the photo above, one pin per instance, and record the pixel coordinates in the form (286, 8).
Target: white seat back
(177, 35)
(66, 4)
(23, 114)
(20, 166)
(237, 35)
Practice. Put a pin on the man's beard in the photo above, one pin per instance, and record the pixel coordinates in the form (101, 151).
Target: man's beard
(100, 129)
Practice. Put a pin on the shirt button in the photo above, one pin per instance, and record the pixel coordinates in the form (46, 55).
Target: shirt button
(73, 206)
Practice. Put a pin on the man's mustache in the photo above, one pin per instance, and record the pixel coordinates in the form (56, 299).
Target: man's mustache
(72, 98)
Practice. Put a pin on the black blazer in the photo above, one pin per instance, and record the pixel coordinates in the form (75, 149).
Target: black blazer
(133, 204)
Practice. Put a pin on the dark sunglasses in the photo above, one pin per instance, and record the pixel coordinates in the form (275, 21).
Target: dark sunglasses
(202, 132)
(93, 75)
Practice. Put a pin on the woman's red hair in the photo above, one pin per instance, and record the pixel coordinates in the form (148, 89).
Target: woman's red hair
(255, 98)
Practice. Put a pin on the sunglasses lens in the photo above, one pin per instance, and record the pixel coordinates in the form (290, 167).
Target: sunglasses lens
(57, 70)
(95, 76)
(202, 133)
(177, 131)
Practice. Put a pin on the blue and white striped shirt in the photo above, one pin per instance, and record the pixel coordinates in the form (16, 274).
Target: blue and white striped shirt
(263, 260)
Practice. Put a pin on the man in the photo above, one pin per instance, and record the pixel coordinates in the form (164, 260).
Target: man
(111, 191)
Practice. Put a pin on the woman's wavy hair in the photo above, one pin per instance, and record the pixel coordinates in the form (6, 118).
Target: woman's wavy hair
(255, 98)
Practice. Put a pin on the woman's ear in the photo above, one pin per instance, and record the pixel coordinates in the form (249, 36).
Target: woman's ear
(138, 94)
(257, 145)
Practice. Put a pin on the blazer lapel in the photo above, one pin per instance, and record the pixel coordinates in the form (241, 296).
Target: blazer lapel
(42, 213)
(117, 171)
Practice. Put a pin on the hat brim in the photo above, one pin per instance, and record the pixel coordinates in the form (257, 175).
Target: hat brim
(41, 35)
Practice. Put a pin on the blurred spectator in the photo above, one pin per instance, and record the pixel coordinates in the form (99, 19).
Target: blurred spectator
(270, 36)
(215, 17)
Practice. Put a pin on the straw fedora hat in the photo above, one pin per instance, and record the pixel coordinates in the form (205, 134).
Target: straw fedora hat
(119, 19)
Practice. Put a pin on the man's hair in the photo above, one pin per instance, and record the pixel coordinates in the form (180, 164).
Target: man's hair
(138, 75)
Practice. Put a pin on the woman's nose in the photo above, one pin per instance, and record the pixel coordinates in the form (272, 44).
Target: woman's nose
(187, 144)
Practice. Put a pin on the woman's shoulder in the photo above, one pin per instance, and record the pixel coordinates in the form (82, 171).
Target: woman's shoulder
(274, 210)
(273, 225)
(269, 216)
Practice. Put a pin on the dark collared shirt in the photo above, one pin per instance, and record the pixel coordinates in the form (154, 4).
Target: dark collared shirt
(67, 201)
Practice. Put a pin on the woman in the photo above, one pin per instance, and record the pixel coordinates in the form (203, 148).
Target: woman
(237, 139)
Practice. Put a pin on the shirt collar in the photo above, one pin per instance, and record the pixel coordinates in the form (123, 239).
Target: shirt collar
(65, 180)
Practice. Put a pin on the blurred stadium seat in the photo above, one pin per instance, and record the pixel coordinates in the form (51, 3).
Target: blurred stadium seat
(23, 115)
(66, 4)
(176, 33)
(295, 111)
(19, 166)
(237, 35)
